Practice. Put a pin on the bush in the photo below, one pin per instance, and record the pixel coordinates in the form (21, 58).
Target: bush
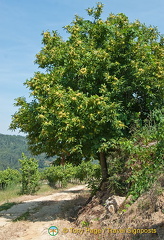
(8, 177)
(146, 159)
(86, 171)
(30, 175)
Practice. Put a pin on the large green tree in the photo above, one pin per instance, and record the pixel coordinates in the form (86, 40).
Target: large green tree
(96, 84)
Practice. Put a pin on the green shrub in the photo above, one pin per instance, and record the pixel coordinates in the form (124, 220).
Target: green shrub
(30, 175)
(86, 172)
(9, 177)
(146, 160)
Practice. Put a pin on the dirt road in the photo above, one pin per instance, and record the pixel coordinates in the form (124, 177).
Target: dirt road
(35, 217)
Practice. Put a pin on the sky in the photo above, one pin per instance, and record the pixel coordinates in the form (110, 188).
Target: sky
(21, 24)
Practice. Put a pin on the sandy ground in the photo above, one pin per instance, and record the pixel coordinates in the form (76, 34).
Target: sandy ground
(43, 212)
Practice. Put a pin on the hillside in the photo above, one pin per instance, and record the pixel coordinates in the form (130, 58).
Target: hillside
(120, 218)
(11, 149)
(33, 215)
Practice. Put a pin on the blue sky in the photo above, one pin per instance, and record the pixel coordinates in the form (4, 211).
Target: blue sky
(21, 25)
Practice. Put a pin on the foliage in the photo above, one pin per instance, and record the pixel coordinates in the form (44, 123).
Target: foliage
(56, 174)
(85, 223)
(145, 162)
(8, 177)
(136, 162)
(117, 171)
(30, 175)
(85, 172)
(97, 85)
(90, 173)
(159, 116)
(11, 148)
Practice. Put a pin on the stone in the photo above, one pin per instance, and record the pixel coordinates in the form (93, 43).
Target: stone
(113, 203)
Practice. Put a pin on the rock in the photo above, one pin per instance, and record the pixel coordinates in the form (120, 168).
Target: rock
(113, 203)
(111, 209)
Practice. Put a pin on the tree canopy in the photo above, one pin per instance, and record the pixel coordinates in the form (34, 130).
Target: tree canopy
(96, 84)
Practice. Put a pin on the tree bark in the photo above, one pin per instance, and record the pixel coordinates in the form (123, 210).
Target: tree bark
(104, 168)
(62, 162)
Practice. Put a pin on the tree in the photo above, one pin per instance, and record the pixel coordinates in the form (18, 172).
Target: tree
(30, 175)
(97, 83)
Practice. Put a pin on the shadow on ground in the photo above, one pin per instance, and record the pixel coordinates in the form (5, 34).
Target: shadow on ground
(48, 210)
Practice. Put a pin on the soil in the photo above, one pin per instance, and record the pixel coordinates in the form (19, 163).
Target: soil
(32, 218)
(101, 217)
(142, 219)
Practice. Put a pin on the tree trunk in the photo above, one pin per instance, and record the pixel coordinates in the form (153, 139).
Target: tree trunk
(62, 162)
(104, 169)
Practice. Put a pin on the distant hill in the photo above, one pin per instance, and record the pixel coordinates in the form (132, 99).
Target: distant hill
(11, 149)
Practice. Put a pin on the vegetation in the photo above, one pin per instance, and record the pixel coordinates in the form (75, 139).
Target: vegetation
(11, 149)
(146, 155)
(107, 75)
(30, 175)
(85, 172)
(7, 205)
(100, 97)
(138, 161)
(14, 191)
(11, 192)
(9, 177)
(23, 217)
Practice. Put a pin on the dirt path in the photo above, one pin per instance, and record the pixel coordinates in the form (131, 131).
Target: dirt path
(40, 214)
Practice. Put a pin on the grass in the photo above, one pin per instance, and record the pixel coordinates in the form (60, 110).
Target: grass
(12, 192)
(23, 217)
(44, 189)
(9, 193)
(6, 206)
